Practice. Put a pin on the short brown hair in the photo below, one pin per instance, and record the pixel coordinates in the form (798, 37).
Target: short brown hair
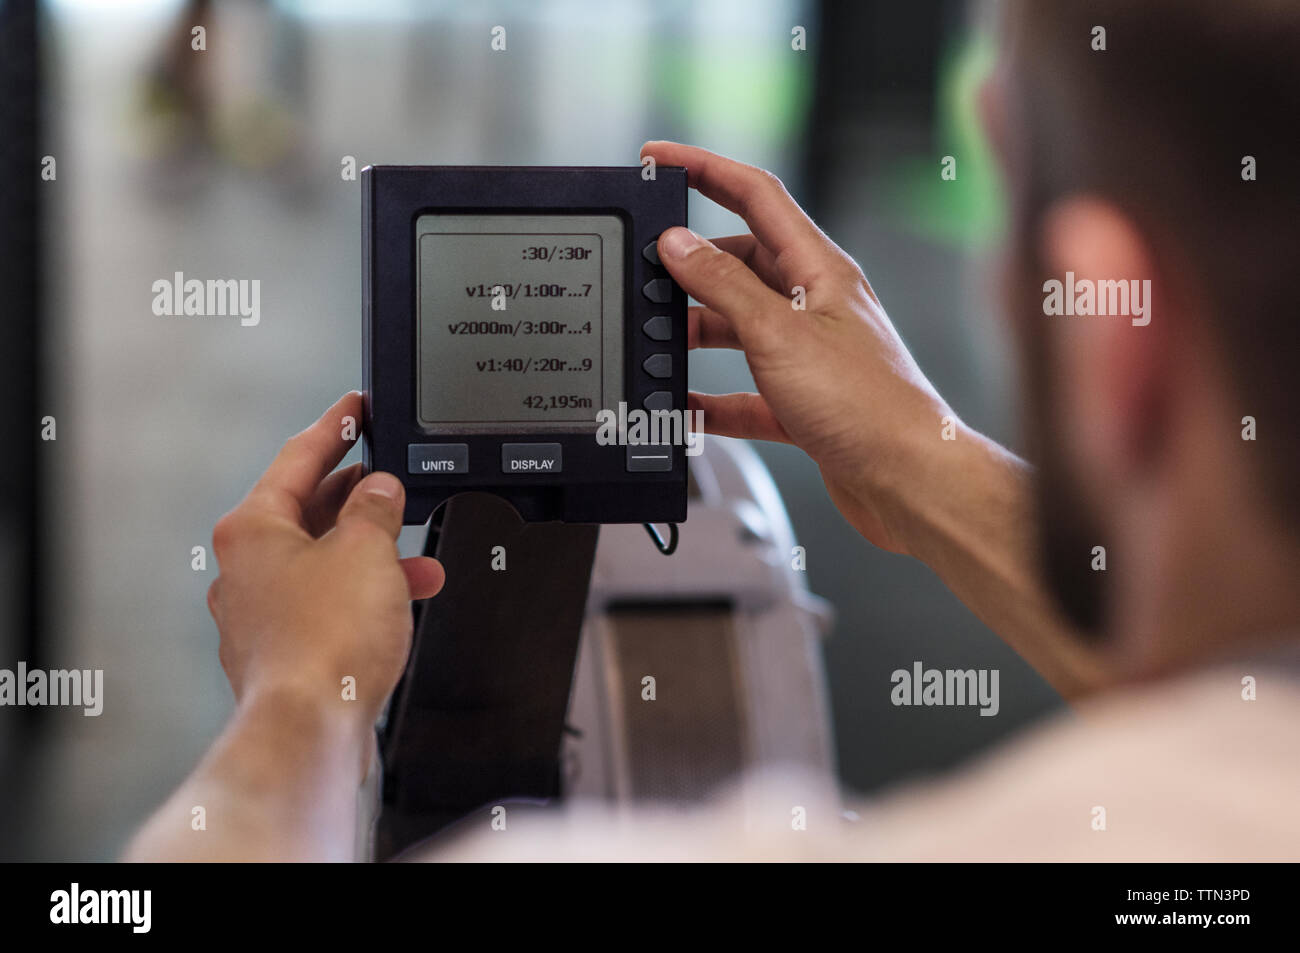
(1160, 123)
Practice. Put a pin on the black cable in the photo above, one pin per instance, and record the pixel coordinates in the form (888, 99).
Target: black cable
(671, 546)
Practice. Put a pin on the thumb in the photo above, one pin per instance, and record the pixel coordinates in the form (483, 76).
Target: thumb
(718, 280)
(377, 500)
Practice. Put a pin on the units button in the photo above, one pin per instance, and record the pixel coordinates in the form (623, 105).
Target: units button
(659, 328)
(659, 290)
(531, 458)
(437, 458)
(659, 365)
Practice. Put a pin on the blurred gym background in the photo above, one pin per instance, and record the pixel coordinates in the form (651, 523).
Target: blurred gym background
(231, 161)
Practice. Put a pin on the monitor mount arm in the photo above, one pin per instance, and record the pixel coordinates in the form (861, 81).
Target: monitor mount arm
(479, 716)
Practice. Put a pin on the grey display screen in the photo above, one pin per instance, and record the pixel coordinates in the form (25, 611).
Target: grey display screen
(520, 321)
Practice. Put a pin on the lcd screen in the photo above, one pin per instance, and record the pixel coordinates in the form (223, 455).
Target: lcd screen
(519, 321)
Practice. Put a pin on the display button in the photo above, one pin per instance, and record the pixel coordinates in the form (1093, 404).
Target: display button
(659, 328)
(659, 365)
(531, 458)
(651, 253)
(433, 458)
(659, 400)
(659, 290)
(649, 458)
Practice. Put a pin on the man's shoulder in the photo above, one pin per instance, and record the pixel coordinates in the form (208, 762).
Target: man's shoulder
(1206, 766)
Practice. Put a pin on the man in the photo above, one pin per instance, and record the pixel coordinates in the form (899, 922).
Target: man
(1166, 451)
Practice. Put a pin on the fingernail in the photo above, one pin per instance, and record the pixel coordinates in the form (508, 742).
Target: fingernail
(679, 242)
(384, 484)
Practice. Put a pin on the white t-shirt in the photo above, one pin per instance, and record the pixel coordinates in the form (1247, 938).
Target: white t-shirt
(1187, 769)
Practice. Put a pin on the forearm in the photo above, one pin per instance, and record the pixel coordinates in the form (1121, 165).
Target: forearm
(967, 510)
(280, 783)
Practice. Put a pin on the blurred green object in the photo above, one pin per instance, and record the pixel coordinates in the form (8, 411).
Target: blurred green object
(735, 91)
(969, 209)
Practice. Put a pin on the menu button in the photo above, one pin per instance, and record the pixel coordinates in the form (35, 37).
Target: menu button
(531, 458)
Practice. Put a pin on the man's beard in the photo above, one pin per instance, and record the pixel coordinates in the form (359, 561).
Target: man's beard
(1068, 527)
(1068, 533)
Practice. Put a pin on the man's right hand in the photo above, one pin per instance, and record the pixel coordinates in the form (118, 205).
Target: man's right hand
(835, 380)
(833, 376)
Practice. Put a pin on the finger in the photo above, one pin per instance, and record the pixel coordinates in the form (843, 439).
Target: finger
(323, 509)
(755, 195)
(760, 261)
(738, 415)
(294, 475)
(707, 328)
(424, 575)
(721, 282)
(376, 503)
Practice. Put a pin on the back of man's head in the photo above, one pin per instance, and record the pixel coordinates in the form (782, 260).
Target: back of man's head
(1181, 115)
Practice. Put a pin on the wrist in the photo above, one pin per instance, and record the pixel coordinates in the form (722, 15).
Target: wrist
(901, 466)
(945, 490)
(308, 710)
(932, 471)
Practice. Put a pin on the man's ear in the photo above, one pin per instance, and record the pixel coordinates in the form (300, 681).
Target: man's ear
(1112, 368)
